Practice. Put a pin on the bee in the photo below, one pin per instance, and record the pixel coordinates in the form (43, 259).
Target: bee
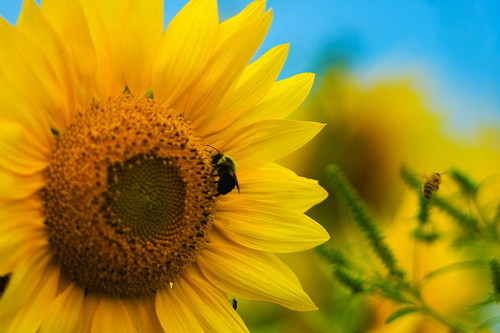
(235, 303)
(225, 166)
(431, 185)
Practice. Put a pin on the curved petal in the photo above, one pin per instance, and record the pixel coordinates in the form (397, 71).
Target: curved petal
(253, 85)
(90, 304)
(147, 320)
(65, 312)
(24, 280)
(113, 16)
(106, 82)
(281, 100)
(21, 229)
(143, 30)
(29, 317)
(23, 157)
(71, 23)
(263, 226)
(228, 27)
(210, 306)
(280, 186)
(113, 315)
(39, 54)
(252, 275)
(224, 70)
(263, 142)
(185, 49)
(174, 315)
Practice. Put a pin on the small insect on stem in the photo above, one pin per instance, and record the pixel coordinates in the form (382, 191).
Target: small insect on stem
(431, 185)
(225, 166)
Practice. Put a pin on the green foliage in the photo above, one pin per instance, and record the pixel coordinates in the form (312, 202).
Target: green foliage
(395, 286)
(400, 312)
(494, 268)
(364, 220)
(468, 186)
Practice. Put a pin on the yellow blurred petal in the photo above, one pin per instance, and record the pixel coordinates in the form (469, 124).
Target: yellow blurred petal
(266, 227)
(263, 142)
(29, 317)
(64, 314)
(224, 69)
(143, 31)
(174, 315)
(252, 275)
(25, 280)
(113, 315)
(69, 20)
(253, 85)
(185, 49)
(279, 186)
(210, 306)
(281, 100)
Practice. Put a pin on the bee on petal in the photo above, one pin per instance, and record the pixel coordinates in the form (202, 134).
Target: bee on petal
(225, 168)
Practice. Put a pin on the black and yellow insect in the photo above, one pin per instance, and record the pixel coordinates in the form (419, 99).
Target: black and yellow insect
(235, 303)
(431, 185)
(225, 167)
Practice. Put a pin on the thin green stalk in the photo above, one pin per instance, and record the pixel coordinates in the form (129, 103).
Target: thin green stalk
(365, 221)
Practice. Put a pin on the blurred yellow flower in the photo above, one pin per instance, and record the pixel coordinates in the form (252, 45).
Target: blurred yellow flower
(372, 131)
(112, 213)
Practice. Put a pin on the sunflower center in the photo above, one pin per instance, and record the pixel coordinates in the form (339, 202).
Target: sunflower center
(129, 197)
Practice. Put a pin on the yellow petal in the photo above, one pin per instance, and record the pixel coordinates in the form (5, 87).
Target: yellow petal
(252, 275)
(23, 157)
(267, 227)
(25, 279)
(185, 49)
(260, 143)
(113, 17)
(113, 315)
(280, 186)
(228, 27)
(106, 84)
(174, 315)
(69, 20)
(224, 70)
(143, 30)
(21, 227)
(41, 55)
(64, 314)
(15, 186)
(211, 307)
(20, 150)
(147, 320)
(91, 302)
(281, 100)
(30, 315)
(253, 85)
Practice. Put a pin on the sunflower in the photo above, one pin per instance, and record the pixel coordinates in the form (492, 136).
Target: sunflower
(112, 135)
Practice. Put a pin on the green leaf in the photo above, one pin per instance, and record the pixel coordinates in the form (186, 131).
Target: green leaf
(400, 312)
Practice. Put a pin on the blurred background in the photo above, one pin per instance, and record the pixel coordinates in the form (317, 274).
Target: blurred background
(398, 82)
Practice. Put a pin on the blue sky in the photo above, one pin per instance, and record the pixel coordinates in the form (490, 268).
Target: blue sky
(452, 46)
